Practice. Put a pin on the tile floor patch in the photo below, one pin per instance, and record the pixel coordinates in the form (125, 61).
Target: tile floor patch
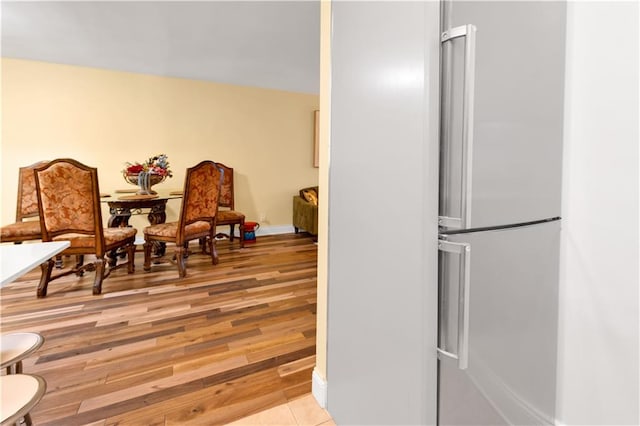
(307, 411)
(303, 411)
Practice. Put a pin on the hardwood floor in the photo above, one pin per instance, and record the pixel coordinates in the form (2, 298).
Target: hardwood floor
(225, 342)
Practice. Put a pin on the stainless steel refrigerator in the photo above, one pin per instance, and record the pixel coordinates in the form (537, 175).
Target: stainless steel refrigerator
(493, 73)
(502, 80)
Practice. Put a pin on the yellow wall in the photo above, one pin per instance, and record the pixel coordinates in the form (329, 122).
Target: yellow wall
(106, 118)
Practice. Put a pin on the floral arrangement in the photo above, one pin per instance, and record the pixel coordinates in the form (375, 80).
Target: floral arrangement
(156, 165)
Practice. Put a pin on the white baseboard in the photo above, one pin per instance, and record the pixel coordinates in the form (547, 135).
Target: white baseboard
(274, 230)
(319, 389)
(267, 230)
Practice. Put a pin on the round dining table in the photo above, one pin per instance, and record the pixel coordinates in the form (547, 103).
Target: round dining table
(124, 203)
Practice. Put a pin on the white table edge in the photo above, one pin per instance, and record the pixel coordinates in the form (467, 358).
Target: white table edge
(21, 264)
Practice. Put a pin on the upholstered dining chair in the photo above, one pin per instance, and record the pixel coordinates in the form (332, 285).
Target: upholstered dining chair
(26, 208)
(227, 215)
(197, 220)
(69, 206)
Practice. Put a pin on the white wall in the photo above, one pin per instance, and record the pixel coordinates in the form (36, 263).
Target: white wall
(598, 351)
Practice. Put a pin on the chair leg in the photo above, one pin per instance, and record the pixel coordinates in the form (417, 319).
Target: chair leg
(232, 228)
(214, 252)
(97, 283)
(15, 368)
(181, 261)
(147, 255)
(241, 234)
(131, 257)
(112, 257)
(45, 277)
(79, 263)
(27, 420)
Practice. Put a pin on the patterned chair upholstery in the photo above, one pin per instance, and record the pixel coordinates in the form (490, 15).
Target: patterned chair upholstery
(227, 215)
(69, 205)
(197, 217)
(27, 207)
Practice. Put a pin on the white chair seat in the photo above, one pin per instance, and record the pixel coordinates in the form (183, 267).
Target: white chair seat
(19, 393)
(14, 347)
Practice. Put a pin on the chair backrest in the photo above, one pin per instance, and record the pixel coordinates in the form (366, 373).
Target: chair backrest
(201, 195)
(69, 200)
(226, 191)
(27, 205)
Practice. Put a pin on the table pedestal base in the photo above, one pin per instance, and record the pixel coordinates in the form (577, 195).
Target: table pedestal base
(122, 210)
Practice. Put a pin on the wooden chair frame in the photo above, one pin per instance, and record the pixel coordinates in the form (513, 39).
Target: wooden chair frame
(227, 202)
(99, 248)
(181, 238)
(22, 213)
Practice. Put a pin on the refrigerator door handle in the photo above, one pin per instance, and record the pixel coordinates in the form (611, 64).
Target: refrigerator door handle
(469, 32)
(464, 281)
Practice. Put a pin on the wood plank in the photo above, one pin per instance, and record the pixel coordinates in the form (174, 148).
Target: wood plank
(224, 342)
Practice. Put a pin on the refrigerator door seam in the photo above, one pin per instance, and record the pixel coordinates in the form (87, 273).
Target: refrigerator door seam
(497, 227)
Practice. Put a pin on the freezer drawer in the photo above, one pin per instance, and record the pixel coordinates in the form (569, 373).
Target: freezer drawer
(502, 109)
(511, 297)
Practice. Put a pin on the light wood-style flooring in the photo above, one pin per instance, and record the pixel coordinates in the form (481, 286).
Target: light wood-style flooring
(225, 342)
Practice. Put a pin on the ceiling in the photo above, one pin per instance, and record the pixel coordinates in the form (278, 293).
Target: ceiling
(269, 44)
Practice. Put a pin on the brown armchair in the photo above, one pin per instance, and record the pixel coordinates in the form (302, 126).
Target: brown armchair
(197, 219)
(27, 207)
(305, 210)
(69, 207)
(227, 215)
